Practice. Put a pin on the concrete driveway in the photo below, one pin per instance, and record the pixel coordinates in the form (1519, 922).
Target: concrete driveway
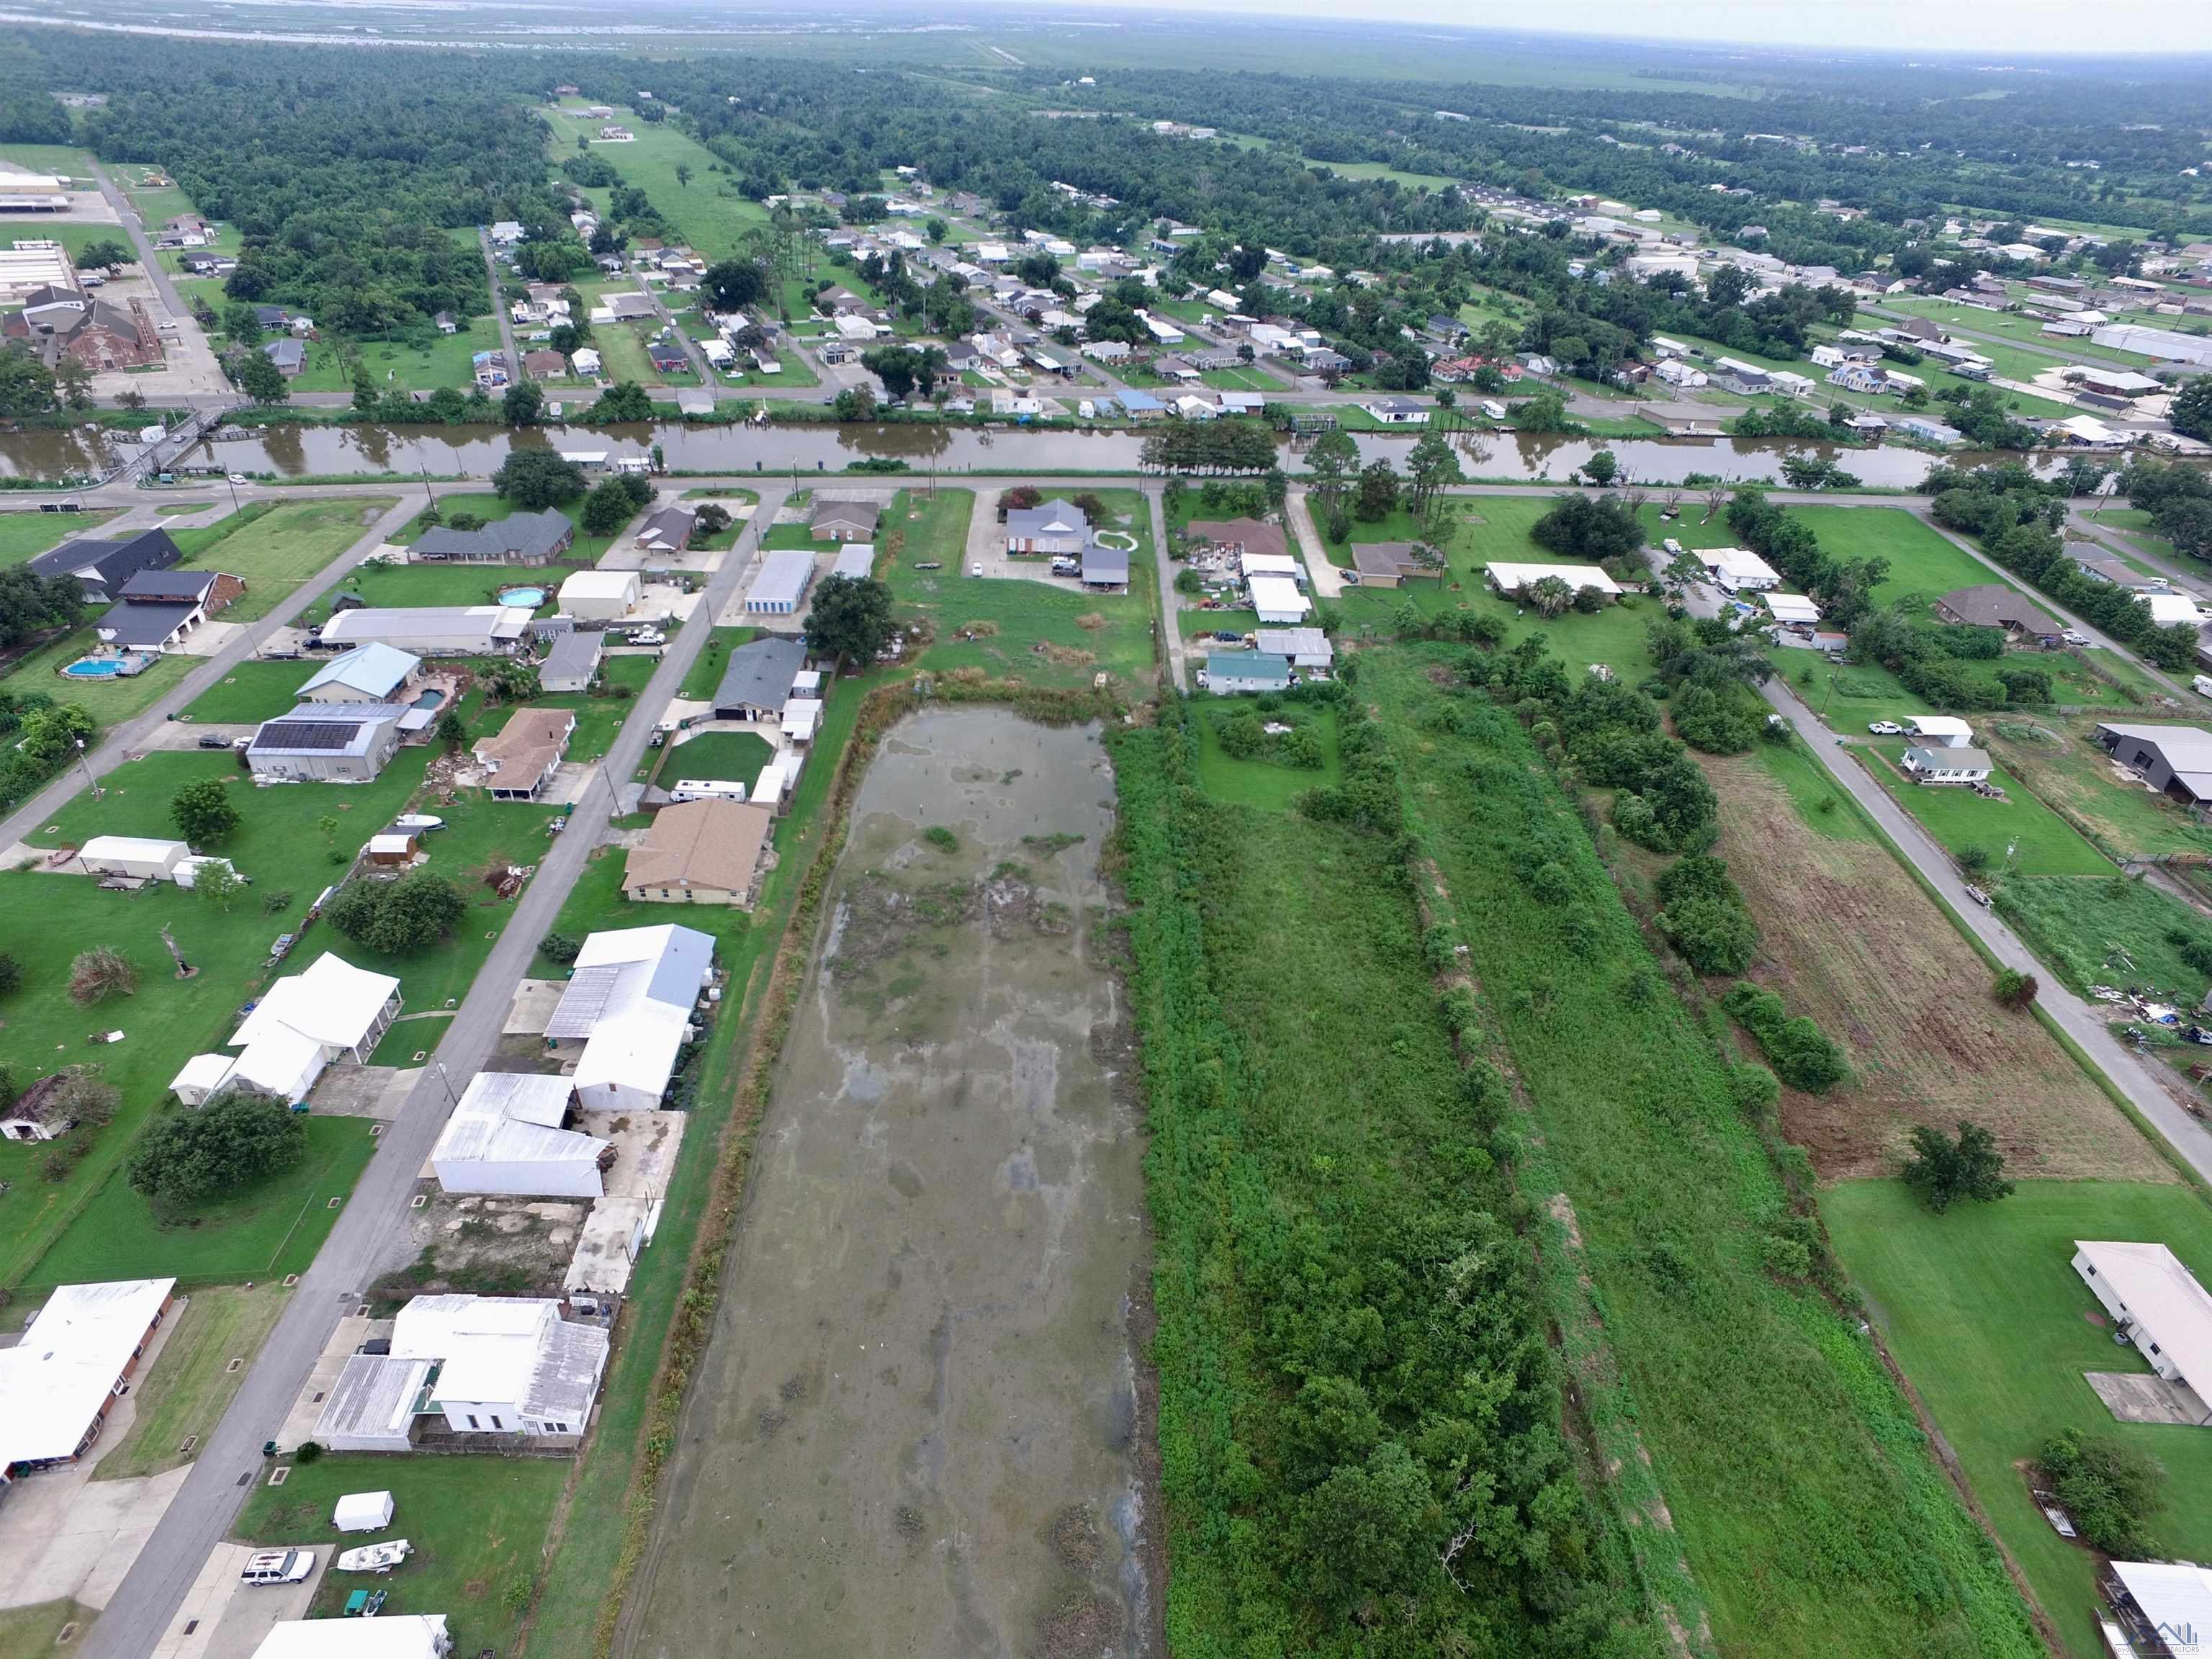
(223, 1619)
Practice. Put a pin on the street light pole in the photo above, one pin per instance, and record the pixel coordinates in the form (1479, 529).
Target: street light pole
(91, 782)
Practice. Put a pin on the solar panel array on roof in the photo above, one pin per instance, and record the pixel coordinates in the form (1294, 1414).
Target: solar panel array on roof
(308, 734)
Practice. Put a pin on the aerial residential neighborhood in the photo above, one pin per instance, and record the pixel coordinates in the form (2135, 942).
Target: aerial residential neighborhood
(1106, 834)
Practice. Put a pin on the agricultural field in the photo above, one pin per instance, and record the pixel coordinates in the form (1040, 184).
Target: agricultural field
(1800, 1489)
(1847, 937)
(2019, 835)
(1048, 633)
(191, 1385)
(477, 1525)
(1994, 1331)
(24, 536)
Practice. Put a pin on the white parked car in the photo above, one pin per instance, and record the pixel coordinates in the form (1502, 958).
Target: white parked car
(1886, 729)
(277, 1567)
(975, 570)
(238, 477)
(2074, 636)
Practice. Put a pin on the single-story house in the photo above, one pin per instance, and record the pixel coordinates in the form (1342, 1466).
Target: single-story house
(507, 1135)
(69, 1366)
(572, 661)
(600, 595)
(1998, 604)
(521, 538)
(1946, 764)
(2177, 759)
(1397, 410)
(157, 609)
(302, 1025)
(375, 672)
(436, 630)
(2099, 566)
(2157, 1301)
(668, 530)
(758, 680)
(1735, 568)
(526, 752)
(327, 742)
(1386, 564)
(785, 575)
(103, 568)
(1510, 579)
(545, 364)
(700, 852)
(626, 1012)
(290, 356)
(1105, 569)
(1240, 538)
(1946, 730)
(844, 521)
(1245, 673)
(1058, 526)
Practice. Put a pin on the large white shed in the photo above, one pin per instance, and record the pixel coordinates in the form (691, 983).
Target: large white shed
(141, 856)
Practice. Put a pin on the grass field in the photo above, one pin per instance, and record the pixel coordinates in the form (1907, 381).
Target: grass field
(709, 665)
(1849, 937)
(2062, 762)
(252, 692)
(2135, 524)
(190, 1386)
(1995, 1330)
(1426, 181)
(2018, 833)
(477, 1525)
(2107, 930)
(25, 535)
(707, 213)
(732, 757)
(1971, 320)
(1045, 633)
(1800, 1489)
(269, 1230)
(31, 1632)
(1263, 783)
(276, 548)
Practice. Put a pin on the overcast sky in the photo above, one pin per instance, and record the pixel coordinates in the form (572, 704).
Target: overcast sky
(1996, 28)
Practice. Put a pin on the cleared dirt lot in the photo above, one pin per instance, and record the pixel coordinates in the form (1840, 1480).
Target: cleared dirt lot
(1848, 937)
(919, 1428)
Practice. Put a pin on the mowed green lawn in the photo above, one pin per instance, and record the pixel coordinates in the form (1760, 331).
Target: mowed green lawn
(1045, 633)
(728, 756)
(477, 1525)
(270, 1230)
(2018, 832)
(276, 548)
(25, 535)
(706, 213)
(190, 1384)
(1993, 1328)
(1264, 783)
(1922, 563)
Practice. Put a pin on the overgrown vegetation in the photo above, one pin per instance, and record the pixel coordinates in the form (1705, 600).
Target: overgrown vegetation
(2111, 1491)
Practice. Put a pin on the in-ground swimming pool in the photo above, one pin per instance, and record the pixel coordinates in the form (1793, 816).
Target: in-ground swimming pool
(430, 699)
(523, 599)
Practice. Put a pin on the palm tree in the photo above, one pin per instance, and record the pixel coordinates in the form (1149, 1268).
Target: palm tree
(683, 175)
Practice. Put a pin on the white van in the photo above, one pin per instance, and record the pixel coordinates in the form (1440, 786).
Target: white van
(2203, 684)
(277, 1567)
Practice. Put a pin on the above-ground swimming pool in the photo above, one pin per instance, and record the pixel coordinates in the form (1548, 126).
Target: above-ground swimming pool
(523, 599)
(105, 668)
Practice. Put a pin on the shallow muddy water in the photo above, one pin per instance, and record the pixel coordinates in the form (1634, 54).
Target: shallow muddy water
(919, 1427)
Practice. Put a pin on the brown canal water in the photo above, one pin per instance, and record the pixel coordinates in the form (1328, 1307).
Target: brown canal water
(477, 452)
(919, 1427)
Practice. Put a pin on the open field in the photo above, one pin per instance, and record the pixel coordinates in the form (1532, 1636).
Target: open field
(190, 1384)
(1971, 320)
(1263, 783)
(1994, 1331)
(1800, 1490)
(252, 692)
(706, 213)
(2107, 930)
(275, 549)
(2062, 762)
(1046, 633)
(2019, 834)
(477, 1525)
(264, 1232)
(25, 535)
(32, 1633)
(1849, 937)
(708, 667)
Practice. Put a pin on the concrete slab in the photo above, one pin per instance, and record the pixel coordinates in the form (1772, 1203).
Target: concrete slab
(212, 640)
(535, 1000)
(250, 1612)
(186, 734)
(361, 1090)
(2145, 1397)
(646, 1146)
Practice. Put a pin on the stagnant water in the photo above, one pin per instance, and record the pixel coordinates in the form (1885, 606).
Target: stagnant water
(917, 1428)
(477, 451)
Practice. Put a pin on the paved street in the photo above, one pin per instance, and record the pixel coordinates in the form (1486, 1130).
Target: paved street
(1171, 627)
(369, 1237)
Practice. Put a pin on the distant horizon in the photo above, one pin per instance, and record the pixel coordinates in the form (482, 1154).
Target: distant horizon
(1994, 31)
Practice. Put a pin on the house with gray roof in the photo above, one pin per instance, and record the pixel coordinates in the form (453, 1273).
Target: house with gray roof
(103, 568)
(758, 681)
(327, 742)
(522, 539)
(374, 672)
(1056, 527)
(844, 521)
(572, 661)
(290, 356)
(1997, 605)
(1105, 569)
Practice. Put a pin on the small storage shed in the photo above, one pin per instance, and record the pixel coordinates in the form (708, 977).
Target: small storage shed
(363, 1511)
(139, 856)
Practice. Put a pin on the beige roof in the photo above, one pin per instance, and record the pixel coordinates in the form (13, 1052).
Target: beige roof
(701, 843)
(526, 747)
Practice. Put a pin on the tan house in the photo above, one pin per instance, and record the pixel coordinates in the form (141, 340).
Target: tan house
(526, 752)
(700, 852)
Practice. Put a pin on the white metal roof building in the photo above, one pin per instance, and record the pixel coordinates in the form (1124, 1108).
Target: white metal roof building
(629, 1002)
(388, 1635)
(1735, 568)
(785, 575)
(133, 855)
(856, 559)
(2175, 1600)
(432, 631)
(505, 1136)
(367, 674)
(373, 1404)
(2159, 1303)
(1945, 729)
(1511, 578)
(1792, 607)
(600, 595)
(507, 1365)
(1276, 600)
(1306, 647)
(57, 1382)
(301, 1024)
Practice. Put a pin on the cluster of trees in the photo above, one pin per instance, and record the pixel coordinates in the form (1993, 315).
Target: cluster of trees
(850, 618)
(1801, 1055)
(613, 502)
(402, 918)
(1841, 586)
(535, 479)
(1236, 444)
(1598, 529)
(1942, 1171)
(188, 1158)
(31, 604)
(2113, 1492)
(1703, 916)
(1244, 736)
(2017, 517)
(2178, 498)
(1930, 660)
(38, 737)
